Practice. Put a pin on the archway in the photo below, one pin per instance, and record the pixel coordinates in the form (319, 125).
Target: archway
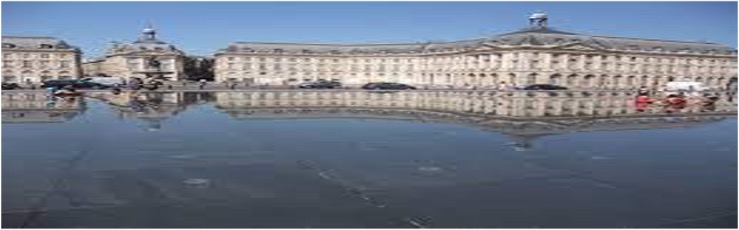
(531, 79)
(45, 76)
(26, 76)
(470, 80)
(494, 80)
(602, 82)
(710, 82)
(572, 80)
(644, 80)
(10, 79)
(721, 82)
(64, 75)
(482, 80)
(587, 81)
(617, 82)
(630, 82)
(555, 79)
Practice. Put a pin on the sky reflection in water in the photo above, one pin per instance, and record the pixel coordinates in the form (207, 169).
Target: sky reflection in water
(359, 159)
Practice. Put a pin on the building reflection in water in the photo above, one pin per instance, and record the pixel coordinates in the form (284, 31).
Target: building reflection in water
(149, 106)
(35, 107)
(522, 115)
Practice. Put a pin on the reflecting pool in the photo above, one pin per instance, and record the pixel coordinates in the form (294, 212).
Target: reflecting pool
(358, 159)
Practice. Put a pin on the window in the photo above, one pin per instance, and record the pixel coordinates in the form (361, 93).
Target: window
(44, 55)
(7, 64)
(44, 64)
(26, 64)
(230, 58)
(65, 64)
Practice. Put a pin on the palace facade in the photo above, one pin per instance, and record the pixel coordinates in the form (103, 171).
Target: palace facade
(537, 54)
(130, 59)
(37, 59)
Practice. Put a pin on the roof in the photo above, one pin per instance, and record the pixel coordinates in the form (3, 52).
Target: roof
(146, 42)
(532, 36)
(32, 42)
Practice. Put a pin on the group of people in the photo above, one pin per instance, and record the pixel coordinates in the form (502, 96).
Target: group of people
(676, 100)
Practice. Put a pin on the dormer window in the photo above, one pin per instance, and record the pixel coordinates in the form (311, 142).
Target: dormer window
(279, 51)
(46, 46)
(306, 51)
(335, 52)
(8, 45)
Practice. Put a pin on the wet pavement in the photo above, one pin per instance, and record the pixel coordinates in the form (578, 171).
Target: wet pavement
(366, 160)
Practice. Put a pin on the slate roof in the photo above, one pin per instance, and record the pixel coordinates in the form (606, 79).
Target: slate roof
(533, 36)
(31, 42)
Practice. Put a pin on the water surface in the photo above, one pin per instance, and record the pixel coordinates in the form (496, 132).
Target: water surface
(362, 160)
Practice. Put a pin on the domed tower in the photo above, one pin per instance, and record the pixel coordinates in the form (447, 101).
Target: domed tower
(145, 57)
(149, 35)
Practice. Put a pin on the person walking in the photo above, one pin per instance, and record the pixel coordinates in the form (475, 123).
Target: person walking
(202, 83)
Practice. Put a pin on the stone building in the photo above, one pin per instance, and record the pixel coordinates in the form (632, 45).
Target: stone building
(35, 107)
(130, 59)
(536, 54)
(37, 59)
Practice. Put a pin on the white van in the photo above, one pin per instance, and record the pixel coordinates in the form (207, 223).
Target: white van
(108, 81)
(685, 86)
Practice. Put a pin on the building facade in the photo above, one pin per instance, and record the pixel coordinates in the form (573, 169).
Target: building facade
(537, 54)
(130, 60)
(37, 59)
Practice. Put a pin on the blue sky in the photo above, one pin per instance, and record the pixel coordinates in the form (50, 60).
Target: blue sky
(200, 28)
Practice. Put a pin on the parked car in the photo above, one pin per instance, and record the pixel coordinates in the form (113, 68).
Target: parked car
(74, 83)
(58, 83)
(320, 84)
(387, 85)
(11, 86)
(108, 81)
(544, 87)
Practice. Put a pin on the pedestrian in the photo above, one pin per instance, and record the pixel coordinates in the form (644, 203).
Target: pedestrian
(202, 83)
(116, 91)
(502, 86)
(643, 91)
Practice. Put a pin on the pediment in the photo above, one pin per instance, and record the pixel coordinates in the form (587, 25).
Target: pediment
(488, 47)
(581, 47)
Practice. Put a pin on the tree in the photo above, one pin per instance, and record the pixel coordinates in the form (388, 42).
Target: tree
(197, 68)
